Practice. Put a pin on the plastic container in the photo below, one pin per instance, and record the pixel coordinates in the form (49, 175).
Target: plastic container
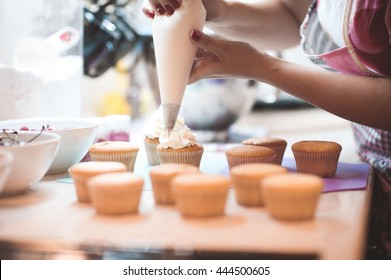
(41, 65)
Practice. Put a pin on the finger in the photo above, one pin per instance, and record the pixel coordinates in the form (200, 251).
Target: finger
(157, 6)
(204, 41)
(149, 12)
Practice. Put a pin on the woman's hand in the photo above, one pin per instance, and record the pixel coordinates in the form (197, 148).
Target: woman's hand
(222, 59)
(214, 8)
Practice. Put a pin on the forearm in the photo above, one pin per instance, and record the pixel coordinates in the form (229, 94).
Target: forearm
(265, 24)
(365, 100)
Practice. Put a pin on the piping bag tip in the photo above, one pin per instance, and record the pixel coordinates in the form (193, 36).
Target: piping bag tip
(170, 115)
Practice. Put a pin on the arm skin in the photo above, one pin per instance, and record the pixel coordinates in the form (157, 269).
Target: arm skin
(254, 22)
(365, 100)
(274, 25)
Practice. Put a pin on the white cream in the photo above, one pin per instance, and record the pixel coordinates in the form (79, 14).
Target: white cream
(155, 127)
(174, 50)
(180, 137)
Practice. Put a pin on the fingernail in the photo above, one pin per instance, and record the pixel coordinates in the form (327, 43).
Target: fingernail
(176, 3)
(169, 9)
(159, 8)
(149, 13)
(195, 35)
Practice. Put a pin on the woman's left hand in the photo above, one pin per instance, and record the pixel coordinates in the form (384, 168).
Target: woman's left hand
(218, 58)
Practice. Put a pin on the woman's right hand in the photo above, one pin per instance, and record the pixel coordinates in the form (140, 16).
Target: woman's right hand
(214, 8)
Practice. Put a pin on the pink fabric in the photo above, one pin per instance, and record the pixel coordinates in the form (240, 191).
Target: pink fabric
(369, 34)
(341, 60)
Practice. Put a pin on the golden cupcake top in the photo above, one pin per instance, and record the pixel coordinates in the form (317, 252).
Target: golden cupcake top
(269, 141)
(316, 146)
(293, 182)
(96, 167)
(116, 179)
(113, 147)
(201, 182)
(249, 151)
(256, 170)
(170, 169)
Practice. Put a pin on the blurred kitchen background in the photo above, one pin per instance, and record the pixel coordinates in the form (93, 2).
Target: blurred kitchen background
(95, 58)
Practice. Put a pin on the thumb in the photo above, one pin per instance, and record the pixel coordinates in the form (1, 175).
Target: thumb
(203, 41)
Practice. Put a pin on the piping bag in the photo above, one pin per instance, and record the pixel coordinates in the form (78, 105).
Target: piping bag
(175, 53)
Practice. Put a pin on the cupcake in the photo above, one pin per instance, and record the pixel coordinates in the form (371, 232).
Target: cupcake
(278, 145)
(152, 130)
(246, 179)
(115, 193)
(200, 195)
(179, 146)
(317, 157)
(120, 151)
(161, 177)
(82, 171)
(249, 154)
(291, 196)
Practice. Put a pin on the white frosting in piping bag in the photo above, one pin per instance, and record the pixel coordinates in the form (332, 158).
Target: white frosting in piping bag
(174, 50)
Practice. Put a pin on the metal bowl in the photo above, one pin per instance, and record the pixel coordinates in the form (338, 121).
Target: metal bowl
(215, 104)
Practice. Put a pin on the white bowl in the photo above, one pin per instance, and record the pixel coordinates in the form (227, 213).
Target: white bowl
(77, 135)
(6, 159)
(31, 160)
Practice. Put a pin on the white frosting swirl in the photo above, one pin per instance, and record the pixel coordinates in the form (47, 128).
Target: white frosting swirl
(180, 137)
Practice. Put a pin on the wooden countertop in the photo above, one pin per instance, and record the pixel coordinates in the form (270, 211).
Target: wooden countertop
(48, 217)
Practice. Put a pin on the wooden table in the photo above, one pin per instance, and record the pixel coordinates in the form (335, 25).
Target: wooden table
(48, 222)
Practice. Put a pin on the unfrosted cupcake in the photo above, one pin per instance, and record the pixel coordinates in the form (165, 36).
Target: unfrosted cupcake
(120, 151)
(317, 157)
(291, 196)
(115, 193)
(179, 147)
(82, 171)
(246, 179)
(152, 130)
(249, 154)
(200, 195)
(278, 145)
(161, 177)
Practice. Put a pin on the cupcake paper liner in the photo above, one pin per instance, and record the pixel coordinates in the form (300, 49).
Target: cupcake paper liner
(129, 159)
(321, 164)
(237, 160)
(191, 157)
(201, 205)
(150, 150)
(291, 205)
(115, 199)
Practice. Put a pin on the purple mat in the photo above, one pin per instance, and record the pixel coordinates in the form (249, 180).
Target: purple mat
(349, 176)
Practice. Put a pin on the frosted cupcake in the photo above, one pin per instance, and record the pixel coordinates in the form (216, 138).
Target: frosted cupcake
(292, 196)
(161, 177)
(200, 195)
(278, 145)
(82, 171)
(249, 154)
(179, 147)
(317, 157)
(246, 179)
(152, 130)
(120, 151)
(115, 193)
